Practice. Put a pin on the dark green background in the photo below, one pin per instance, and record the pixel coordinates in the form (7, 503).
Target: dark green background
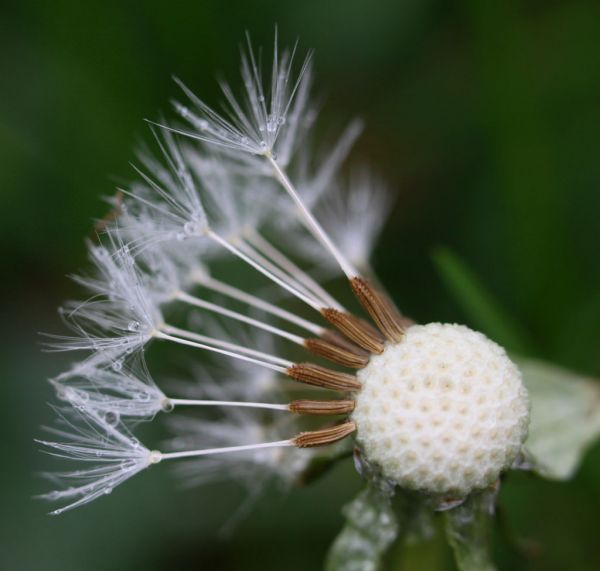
(484, 115)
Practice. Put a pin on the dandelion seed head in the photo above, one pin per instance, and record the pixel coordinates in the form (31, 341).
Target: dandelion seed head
(439, 408)
(444, 411)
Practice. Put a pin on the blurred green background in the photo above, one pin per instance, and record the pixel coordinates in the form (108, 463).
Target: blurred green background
(484, 116)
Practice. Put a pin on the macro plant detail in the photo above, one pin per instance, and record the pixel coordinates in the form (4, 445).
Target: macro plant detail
(434, 414)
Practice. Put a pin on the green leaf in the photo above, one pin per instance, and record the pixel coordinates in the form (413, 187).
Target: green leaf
(371, 527)
(477, 302)
(565, 417)
(468, 529)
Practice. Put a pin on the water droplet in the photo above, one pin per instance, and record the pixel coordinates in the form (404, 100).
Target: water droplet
(117, 366)
(65, 393)
(167, 405)
(112, 418)
(447, 503)
(191, 228)
(134, 326)
(183, 111)
(261, 98)
(281, 121)
(107, 490)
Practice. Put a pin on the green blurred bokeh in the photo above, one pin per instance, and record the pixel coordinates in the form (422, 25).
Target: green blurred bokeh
(484, 116)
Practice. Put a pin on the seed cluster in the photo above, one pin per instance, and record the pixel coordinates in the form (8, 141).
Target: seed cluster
(444, 411)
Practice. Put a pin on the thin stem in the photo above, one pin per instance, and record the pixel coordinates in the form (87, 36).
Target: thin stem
(267, 406)
(213, 341)
(230, 291)
(197, 302)
(310, 221)
(279, 258)
(235, 251)
(212, 451)
(239, 356)
(259, 258)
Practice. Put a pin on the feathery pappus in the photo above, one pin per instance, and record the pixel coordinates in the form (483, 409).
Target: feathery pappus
(437, 408)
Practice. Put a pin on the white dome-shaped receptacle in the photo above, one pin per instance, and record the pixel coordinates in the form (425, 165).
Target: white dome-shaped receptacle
(443, 411)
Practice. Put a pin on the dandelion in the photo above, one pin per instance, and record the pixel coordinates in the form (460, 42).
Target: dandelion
(436, 408)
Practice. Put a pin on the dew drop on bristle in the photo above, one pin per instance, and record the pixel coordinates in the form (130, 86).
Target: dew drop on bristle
(112, 418)
(117, 366)
(134, 326)
(191, 228)
(167, 405)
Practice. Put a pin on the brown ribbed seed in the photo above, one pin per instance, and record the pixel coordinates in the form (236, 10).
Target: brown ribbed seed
(322, 407)
(324, 436)
(380, 308)
(336, 338)
(336, 353)
(323, 377)
(356, 329)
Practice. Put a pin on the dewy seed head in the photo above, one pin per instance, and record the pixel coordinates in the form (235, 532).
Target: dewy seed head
(443, 411)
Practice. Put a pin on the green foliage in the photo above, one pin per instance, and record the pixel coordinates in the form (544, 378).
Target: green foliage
(371, 526)
(565, 417)
(468, 529)
(477, 302)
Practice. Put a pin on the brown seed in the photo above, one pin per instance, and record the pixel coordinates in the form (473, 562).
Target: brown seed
(356, 329)
(336, 353)
(380, 308)
(322, 408)
(324, 436)
(323, 377)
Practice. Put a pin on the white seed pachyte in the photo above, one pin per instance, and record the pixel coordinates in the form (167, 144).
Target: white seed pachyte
(444, 411)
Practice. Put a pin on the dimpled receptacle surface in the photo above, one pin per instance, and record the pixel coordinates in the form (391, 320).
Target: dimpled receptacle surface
(443, 411)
